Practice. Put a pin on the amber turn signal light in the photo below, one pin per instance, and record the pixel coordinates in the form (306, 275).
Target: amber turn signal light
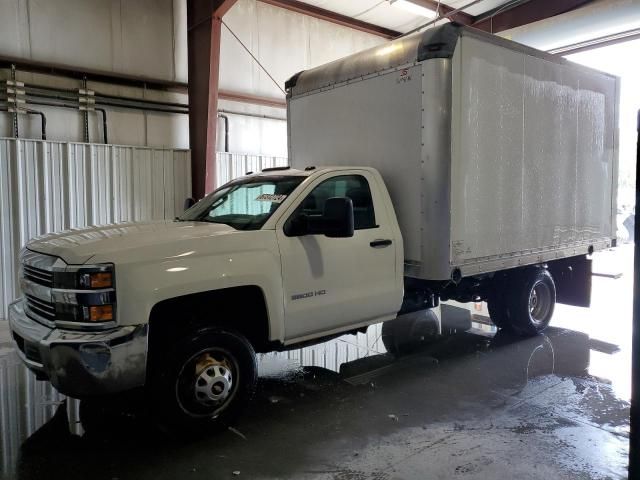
(101, 313)
(100, 280)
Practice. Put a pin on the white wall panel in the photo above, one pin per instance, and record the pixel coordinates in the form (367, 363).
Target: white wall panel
(14, 25)
(52, 186)
(233, 165)
(285, 42)
(247, 134)
(74, 32)
(597, 19)
(145, 38)
(134, 37)
(149, 38)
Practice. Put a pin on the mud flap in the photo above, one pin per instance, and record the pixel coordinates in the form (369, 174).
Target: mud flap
(572, 277)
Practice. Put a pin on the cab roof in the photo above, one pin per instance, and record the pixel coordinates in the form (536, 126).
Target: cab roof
(294, 172)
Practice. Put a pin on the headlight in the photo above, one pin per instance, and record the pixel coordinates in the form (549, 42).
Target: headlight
(101, 313)
(85, 277)
(85, 294)
(96, 280)
(67, 312)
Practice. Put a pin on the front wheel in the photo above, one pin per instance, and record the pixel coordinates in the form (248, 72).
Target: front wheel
(205, 382)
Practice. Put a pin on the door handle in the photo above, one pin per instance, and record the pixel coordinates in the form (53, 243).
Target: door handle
(380, 243)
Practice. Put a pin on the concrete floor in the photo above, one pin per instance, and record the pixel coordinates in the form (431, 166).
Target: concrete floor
(464, 404)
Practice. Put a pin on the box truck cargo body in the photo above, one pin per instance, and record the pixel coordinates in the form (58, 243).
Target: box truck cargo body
(495, 155)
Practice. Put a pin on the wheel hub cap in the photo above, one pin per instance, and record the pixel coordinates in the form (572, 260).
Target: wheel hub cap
(213, 380)
(539, 302)
(534, 301)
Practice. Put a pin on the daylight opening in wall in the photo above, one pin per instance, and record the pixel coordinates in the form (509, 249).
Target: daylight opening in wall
(619, 60)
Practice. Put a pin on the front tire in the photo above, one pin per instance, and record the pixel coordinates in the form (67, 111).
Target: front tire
(205, 382)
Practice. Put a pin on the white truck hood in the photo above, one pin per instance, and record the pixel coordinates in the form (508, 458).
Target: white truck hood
(79, 246)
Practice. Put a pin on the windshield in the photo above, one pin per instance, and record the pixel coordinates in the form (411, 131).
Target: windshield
(243, 205)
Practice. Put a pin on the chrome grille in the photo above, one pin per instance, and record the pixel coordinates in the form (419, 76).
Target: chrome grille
(51, 293)
(40, 307)
(38, 275)
(37, 272)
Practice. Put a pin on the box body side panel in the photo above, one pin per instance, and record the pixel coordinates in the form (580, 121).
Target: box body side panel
(436, 171)
(376, 123)
(533, 158)
(494, 158)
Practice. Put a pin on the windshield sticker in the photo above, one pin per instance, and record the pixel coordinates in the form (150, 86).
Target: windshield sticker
(268, 197)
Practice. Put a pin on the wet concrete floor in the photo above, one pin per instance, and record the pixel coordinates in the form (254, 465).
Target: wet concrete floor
(464, 403)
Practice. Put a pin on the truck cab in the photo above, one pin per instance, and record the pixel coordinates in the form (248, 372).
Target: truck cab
(267, 261)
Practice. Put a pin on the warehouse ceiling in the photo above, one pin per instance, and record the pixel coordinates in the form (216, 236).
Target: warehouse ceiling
(403, 16)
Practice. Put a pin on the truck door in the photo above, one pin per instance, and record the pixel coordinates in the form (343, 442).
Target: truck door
(331, 284)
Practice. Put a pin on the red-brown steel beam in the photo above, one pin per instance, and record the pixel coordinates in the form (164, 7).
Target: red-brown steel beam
(525, 13)
(333, 17)
(442, 9)
(251, 99)
(204, 30)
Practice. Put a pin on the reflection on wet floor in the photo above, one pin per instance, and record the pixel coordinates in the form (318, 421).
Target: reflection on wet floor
(456, 399)
(472, 368)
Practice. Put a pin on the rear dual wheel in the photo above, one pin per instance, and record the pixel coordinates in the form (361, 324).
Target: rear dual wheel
(523, 301)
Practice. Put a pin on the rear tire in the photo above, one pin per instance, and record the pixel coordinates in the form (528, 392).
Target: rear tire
(523, 301)
(531, 305)
(205, 382)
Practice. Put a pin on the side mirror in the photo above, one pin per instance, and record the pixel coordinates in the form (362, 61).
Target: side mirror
(188, 203)
(337, 218)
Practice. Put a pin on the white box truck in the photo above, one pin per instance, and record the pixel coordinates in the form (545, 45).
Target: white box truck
(495, 155)
(450, 165)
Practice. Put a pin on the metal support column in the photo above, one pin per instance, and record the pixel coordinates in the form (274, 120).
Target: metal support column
(203, 37)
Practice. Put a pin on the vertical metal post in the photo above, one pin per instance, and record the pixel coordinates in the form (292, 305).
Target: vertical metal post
(204, 31)
(226, 131)
(85, 114)
(104, 124)
(16, 132)
(634, 443)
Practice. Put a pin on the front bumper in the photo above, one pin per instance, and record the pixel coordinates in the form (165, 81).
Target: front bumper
(81, 364)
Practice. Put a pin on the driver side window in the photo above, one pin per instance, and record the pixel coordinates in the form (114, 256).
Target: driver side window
(354, 187)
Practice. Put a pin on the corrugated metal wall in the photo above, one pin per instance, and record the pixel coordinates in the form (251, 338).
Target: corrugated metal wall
(52, 186)
(233, 165)
(26, 404)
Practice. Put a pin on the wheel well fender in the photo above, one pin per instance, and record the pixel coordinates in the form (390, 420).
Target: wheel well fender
(239, 309)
